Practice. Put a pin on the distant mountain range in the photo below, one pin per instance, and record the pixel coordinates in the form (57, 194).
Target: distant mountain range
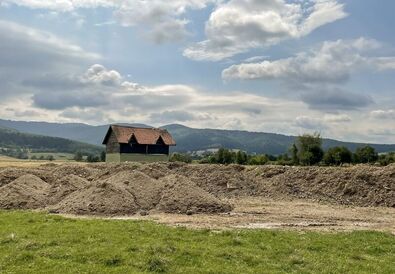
(188, 139)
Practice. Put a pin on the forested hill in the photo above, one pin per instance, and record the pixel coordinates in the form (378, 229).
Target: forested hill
(188, 139)
(13, 139)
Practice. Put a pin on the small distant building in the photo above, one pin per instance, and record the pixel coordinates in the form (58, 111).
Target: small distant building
(133, 144)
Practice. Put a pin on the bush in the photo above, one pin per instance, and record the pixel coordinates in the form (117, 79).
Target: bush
(180, 157)
(365, 155)
(93, 158)
(103, 156)
(386, 159)
(337, 156)
(258, 160)
(78, 156)
(50, 158)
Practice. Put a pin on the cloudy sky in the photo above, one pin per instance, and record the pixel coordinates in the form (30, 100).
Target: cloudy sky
(284, 66)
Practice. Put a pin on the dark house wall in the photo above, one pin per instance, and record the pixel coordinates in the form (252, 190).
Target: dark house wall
(158, 149)
(142, 149)
(112, 145)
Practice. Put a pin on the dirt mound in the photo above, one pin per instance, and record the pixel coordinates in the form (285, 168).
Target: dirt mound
(100, 198)
(358, 185)
(155, 170)
(78, 170)
(119, 189)
(65, 186)
(219, 180)
(130, 192)
(8, 175)
(180, 195)
(145, 190)
(26, 192)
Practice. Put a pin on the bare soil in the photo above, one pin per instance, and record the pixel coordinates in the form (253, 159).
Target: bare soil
(264, 213)
(223, 196)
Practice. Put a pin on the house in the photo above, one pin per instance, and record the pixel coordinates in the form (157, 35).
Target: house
(133, 144)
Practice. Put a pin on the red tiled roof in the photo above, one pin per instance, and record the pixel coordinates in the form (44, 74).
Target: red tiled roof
(144, 136)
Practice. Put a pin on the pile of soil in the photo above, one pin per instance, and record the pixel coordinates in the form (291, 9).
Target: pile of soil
(358, 185)
(62, 187)
(7, 175)
(98, 199)
(130, 192)
(183, 196)
(124, 189)
(26, 192)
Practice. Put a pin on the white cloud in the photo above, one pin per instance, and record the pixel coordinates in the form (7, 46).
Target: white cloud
(322, 123)
(237, 26)
(101, 95)
(383, 114)
(26, 54)
(163, 20)
(332, 62)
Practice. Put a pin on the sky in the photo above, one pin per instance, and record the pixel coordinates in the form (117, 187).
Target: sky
(282, 66)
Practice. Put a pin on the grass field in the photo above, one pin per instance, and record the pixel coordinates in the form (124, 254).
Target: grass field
(57, 156)
(39, 243)
(6, 161)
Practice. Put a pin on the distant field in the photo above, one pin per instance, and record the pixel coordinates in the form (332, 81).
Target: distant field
(6, 161)
(57, 156)
(38, 243)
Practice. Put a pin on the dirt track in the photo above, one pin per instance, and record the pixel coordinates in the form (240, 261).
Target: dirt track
(266, 196)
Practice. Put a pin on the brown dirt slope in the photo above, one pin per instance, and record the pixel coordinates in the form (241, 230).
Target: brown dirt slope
(26, 192)
(123, 189)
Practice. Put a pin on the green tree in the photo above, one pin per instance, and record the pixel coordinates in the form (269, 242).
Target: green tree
(366, 154)
(241, 157)
(294, 153)
(225, 156)
(337, 156)
(93, 158)
(180, 157)
(310, 149)
(103, 156)
(258, 160)
(78, 156)
(387, 158)
(50, 158)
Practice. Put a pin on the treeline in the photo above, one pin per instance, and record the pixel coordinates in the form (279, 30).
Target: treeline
(14, 140)
(79, 156)
(90, 158)
(15, 153)
(306, 151)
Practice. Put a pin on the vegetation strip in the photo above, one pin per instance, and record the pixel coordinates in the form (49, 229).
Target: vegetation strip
(33, 242)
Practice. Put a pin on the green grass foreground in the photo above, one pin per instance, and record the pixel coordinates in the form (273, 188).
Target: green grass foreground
(40, 243)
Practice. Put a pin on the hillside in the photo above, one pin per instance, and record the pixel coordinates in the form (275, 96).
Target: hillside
(188, 139)
(11, 138)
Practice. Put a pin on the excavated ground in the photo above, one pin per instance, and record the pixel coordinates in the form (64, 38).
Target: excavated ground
(224, 196)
